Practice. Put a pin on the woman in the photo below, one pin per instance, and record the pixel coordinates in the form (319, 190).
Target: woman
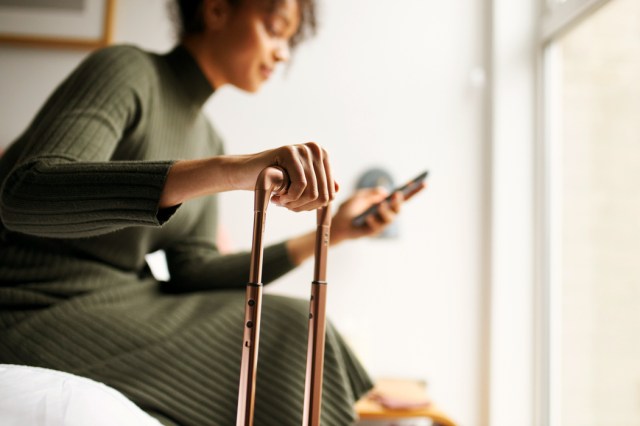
(93, 185)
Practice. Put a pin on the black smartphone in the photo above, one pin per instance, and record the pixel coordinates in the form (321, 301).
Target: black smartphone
(406, 189)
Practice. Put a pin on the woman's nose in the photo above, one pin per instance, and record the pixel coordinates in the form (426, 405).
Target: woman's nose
(282, 52)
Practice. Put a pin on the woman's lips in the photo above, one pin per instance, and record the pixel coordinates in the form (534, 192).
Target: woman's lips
(265, 71)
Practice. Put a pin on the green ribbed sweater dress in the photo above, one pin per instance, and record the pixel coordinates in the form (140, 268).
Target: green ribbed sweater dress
(79, 211)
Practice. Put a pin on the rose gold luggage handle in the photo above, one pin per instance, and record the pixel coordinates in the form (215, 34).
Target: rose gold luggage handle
(275, 180)
(317, 322)
(270, 180)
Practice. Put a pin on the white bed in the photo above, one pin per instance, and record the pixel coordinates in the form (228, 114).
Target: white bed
(31, 396)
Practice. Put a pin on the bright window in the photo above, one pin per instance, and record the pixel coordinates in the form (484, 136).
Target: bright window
(592, 110)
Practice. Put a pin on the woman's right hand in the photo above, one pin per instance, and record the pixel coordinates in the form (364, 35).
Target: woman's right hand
(312, 184)
(311, 181)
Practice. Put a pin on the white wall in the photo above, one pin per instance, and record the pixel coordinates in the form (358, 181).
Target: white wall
(384, 84)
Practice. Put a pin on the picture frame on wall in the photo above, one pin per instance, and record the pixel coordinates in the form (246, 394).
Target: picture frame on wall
(80, 24)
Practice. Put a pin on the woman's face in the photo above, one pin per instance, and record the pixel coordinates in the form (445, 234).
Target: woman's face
(253, 40)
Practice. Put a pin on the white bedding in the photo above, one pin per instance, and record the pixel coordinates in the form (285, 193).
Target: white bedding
(31, 396)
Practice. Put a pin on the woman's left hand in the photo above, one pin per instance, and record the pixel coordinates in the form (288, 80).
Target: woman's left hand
(341, 224)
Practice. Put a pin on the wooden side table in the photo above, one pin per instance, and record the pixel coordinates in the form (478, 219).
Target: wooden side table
(397, 399)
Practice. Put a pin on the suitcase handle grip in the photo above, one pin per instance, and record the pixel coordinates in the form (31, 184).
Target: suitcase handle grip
(272, 180)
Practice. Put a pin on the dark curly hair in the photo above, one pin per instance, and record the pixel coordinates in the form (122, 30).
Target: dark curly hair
(187, 16)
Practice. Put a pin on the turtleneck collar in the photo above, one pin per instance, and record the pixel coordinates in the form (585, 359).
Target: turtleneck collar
(191, 77)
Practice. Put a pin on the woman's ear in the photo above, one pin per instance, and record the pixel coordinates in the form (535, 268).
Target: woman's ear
(215, 14)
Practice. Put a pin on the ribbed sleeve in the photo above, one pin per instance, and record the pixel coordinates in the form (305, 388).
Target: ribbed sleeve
(204, 268)
(196, 264)
(64, 183)
(61, 198)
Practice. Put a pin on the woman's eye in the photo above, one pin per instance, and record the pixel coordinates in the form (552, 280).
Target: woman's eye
(275, 28)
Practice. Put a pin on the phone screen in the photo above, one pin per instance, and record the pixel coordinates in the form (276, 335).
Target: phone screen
(406, 189)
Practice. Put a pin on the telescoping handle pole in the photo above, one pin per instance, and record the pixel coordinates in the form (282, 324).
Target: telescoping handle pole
(315, 348)
(271, 180)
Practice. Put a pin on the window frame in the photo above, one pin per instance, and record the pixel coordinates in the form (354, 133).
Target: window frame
(523, 382)
(560, 17)
(557, 19)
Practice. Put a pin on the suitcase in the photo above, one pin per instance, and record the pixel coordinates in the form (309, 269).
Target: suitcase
(274, 180)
